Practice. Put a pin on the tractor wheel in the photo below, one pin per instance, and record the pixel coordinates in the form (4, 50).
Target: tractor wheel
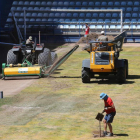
(121, 75)
(126, 65)
(53, 56)
(12, 58)
(85, 75)
(44, 58)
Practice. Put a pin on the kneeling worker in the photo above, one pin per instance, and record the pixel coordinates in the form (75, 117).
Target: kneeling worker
(110, 110)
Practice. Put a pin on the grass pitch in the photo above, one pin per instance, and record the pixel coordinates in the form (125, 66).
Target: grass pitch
(63, 108)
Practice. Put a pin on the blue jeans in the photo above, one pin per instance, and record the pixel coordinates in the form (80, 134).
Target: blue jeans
(109, 117)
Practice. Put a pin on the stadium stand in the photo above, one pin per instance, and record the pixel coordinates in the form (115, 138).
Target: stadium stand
(38, 14)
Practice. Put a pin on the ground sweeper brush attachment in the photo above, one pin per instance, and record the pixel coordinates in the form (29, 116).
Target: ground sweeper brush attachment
(22, 71)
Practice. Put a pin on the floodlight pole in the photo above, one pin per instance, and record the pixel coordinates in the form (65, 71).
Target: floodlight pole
(121, 20)
(25, 25)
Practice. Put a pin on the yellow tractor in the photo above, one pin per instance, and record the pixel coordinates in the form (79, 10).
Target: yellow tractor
(104, 60)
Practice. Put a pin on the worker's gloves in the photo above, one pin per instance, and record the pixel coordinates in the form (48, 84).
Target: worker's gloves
(106, 108)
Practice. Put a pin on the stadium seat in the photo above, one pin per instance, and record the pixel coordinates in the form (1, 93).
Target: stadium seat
(19, 8)
(90, 8)
(34, 14)
(32, 3)
(84, 3)
(72, 27)
(42, 8)
(104, 3)
(103, 8)
(65, 26)
(49, 3)
(87, 20)
(134, 20)
(75, 14)
(127, 20)
(17, 14)
(21, 3)
(69, 14)
(137, 40)
(54, 3)
(105, 27)
(79, 27)
(91, 3)
(107, 20)
(108, 15)
(130, 3)
(99, 26)
(72, 3)
(82, 15)
(47, 8)
(28, 15)
(128, 9)
(43, 3)
(15, 2)
(100, 20)
(67, 20)
(110, 3)
(80, 20)
(123, 8)
(133, 27)
(117, 3)
(26, 3)
(83, 8)
(9, 20)
(50, 19)
(55, 19)
(61, 20)
(44, 19)
(38, 20)
(32, 19)
(136, 9)
(123, 3)
(45, 15)
(101, 15)
(118, 27)
(134, 15)
(93, 20)
(112, 27)
(136, 3)
(66, 3)
(97, 3)
(57, 14)
(88, 15)
(113, 20)
(30, 8)
(27, 19)
(51, 14)
(60, 3)
(40, 14)
(24, 8)
(63, 14)
(74, 20)
(127, 15)
(114, 15)
(96, 8)
(129, 40)
(78, 3)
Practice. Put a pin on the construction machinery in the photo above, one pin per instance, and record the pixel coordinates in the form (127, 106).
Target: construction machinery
(104, 60)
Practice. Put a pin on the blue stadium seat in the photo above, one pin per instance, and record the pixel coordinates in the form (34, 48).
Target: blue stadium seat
(61, 20)
(105, 27)
(93, 20)
(66, 3)
(45, 15)
(20, 19)
(37, 3)
(126, 27)
(108, 15)
(43, 3)
(50, 19)
(75, 14)
(32, 19)
(117, 3)
(38, 20)
(60, 3)
(115, 15)
(27, 19)
(107, 20)
(127, 15)
(21, 3)
(19, 8)
(59, 7)
(78, 3)
(129, 40)
(49, 3)
(69, 14)
(136, 9)
(90, 8)
(28, 15)
(65, 26)
(88, 15)
(63, 14)
(95, 15)
(138, 26)
(17, 14)
(82, 15)
(92, 27)
(136, 3)
(84, 3)
(110, 3)
(34, 14)
(67, 20)
(134, 20)
(47, 8)
(44, 19)
(72, 27)
(21, 14)
(123, 3)
(30, 8)
(72, 3)
(101, 15)
(134, 15)
(103, 8)
(24, 8)
(77, 7)
(40, 14)
(15, 2)
(87, 20)
(112, 27)
(118, 27)
(10, 14)
(97, 3)
(113, 20)
(74, 20)
(91, 3)
(130, 3)
(83, 8)
(128, 9)
(133, 27)
(42, 8)
(54, 3)
(32, 3)
(109, 8)
(127, 20)
(100, 20)
(26, 3)
(123, 8)
(104, 3)
(9, 20)
(96, 8)
(53, 7)
(137, 40)
(55, 19)
(80, 20)
(57, 14)
(51, 14)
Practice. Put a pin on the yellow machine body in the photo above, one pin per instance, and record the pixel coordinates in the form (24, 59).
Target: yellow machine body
(102, 68)
(24, 71)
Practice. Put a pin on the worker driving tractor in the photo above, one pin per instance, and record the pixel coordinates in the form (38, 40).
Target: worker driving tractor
(29, 40)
